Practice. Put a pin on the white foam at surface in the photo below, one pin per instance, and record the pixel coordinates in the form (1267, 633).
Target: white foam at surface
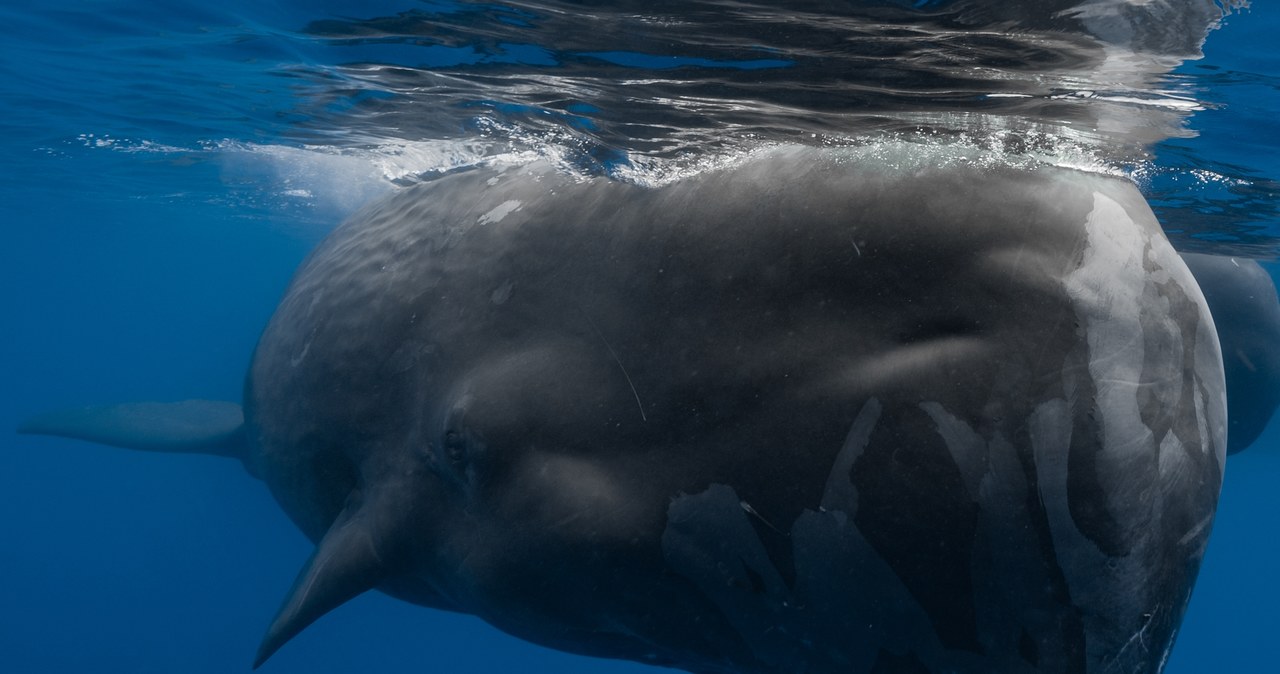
(339, 180)
(330, 178)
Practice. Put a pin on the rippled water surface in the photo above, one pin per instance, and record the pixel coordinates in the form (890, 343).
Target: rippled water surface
(650, 90)
(168, 163)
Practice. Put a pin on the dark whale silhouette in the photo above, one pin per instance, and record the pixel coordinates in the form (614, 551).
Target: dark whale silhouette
(1246, 312)
(826, 410)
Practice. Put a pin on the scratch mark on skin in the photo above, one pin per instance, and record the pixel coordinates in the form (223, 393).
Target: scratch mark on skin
(1139, 639)
(295, 361)
(1195, 531)
(752, 511)
(622, 367)
(566, 520)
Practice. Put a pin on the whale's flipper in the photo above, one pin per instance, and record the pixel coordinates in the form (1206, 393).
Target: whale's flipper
(189, 426)
(361, 549)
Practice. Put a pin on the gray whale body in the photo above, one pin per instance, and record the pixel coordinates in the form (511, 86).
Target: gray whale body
(815, 412)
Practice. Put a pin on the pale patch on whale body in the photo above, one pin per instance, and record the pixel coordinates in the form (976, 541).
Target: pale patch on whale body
(499, 212)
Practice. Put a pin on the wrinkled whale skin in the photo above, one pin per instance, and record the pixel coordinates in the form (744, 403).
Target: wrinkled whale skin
(617, 420)
(859, 410)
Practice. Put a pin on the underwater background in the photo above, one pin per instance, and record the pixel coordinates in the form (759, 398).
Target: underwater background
(168, 164)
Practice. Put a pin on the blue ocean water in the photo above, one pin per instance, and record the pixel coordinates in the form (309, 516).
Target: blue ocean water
(167, 165)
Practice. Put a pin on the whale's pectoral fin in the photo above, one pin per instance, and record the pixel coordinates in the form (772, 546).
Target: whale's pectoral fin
(190, 426)
(357, 554)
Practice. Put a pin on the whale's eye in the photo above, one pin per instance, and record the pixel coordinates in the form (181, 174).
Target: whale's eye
(455, 445)
(457, 438)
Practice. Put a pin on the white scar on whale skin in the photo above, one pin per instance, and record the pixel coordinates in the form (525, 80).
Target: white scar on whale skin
(296, 360)
(499, 212)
